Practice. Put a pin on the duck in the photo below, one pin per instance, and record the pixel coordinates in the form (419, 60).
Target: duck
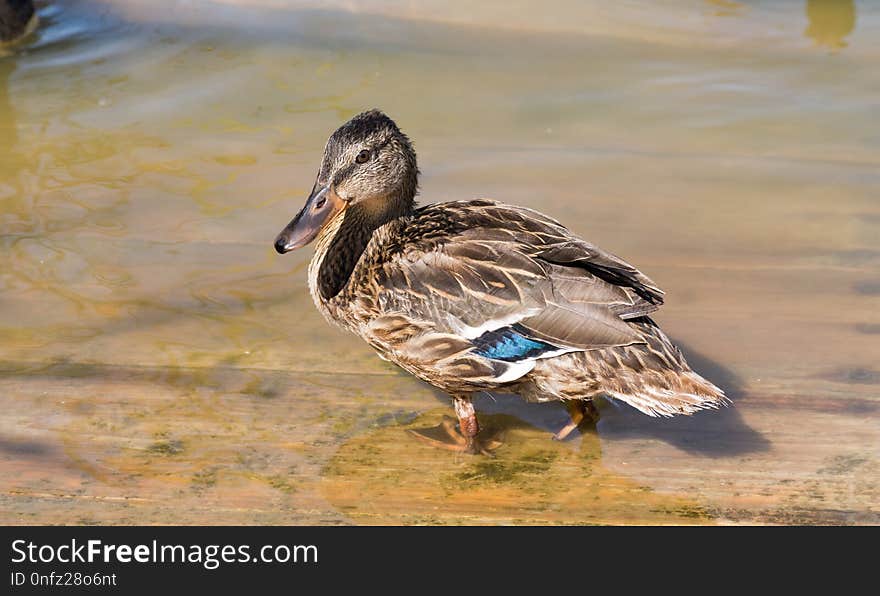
(17, 19)
(477, 295)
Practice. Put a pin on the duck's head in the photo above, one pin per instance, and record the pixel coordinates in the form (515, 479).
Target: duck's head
(368, 174)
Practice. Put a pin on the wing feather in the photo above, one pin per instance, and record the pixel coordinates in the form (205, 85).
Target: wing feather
(499, 265)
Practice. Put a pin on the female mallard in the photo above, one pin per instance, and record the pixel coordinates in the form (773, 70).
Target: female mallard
(481, 296)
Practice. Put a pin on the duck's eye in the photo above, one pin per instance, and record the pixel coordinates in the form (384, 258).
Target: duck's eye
(363, 156)
(320, 203)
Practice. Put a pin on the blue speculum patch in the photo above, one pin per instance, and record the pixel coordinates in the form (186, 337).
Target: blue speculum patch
(509, 344)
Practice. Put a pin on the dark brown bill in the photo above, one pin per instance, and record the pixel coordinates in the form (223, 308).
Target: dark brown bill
(320, 208)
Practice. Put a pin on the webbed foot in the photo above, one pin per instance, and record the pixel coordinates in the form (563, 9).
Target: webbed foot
(447, 436)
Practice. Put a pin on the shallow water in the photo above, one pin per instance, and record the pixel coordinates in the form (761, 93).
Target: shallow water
(159, 363)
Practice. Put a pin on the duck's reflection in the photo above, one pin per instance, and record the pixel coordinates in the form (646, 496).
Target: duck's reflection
(384, 477)
(830, 22)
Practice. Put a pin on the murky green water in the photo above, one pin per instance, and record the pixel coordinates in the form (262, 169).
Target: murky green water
(160, 363)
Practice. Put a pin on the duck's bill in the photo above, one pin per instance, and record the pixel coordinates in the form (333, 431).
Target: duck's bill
(320, 209)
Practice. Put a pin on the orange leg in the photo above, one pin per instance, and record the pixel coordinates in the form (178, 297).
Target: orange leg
(579, 411)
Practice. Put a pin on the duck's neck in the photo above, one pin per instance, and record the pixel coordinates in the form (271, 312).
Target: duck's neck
(341, 245)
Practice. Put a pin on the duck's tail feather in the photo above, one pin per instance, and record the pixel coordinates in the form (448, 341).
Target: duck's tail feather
(660, 382)
(652, 376)
(685, 393)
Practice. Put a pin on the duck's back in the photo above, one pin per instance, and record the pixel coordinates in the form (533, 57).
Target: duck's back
(480, 261)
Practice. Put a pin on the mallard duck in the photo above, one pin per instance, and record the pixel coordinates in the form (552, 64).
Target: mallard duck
(17, 18)
(477, 295)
